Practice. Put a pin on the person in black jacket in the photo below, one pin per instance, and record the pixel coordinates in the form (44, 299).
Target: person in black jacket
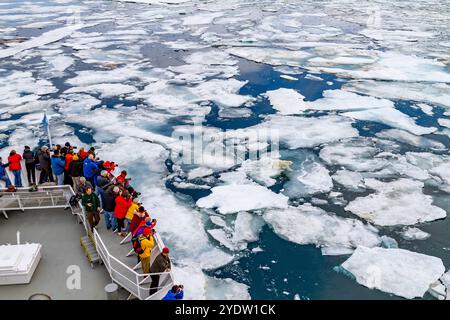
(30, 165)
(45, 165)
(109, 205)
(76, 171)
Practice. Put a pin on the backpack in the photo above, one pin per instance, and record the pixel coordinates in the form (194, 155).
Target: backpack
(137, 245)
(73, 201)
(11, 188)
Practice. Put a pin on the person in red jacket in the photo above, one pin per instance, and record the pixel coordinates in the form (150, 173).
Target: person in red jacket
(123, 202)
(138, 219)
(122, 178)
(15, 167)
(69, 159)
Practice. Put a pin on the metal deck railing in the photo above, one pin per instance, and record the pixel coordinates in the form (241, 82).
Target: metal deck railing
(49, 197)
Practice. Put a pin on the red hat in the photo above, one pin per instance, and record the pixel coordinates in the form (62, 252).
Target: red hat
(166, 250)
(146, 232)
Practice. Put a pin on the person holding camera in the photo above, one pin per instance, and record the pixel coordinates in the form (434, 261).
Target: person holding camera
(91, 204)
(161, 264)
(58, 167)
(123, 203)
(15, 167)
(76, 171)
(30, 165)
(176, 293)
(3, 175)
(45, 165)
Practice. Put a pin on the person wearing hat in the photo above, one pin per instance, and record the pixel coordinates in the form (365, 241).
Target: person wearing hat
(176, 293)
(91, 204)
(138, 220)
(161, 264)
(147, 243)
(30, 165)
(15, 167)
(3, 175)
(76, 171)
(45, 165)
(58, 167)
(68, 157)
(130, 214)
(64, 150)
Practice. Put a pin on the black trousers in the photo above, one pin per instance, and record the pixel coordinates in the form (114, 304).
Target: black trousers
(31, 173)
(45, 175)
(120, 224)
(155, 283)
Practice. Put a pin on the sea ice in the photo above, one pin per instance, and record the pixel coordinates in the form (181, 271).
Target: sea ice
(391, 117)
(351, 180)
(401, 272)
(311, 225)
(399, 202)
(233, 198)
(413, 233)
(411, 139)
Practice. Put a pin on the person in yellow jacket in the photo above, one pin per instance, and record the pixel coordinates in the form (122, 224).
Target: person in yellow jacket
(147, 243)
(130, 213)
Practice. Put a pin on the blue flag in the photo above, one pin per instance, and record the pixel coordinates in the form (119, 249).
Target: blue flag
(45, 120)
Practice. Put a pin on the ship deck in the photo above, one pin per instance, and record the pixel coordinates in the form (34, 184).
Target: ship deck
(59, 233)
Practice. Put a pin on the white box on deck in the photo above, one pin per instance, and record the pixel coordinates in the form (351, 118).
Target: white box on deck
(18, 262)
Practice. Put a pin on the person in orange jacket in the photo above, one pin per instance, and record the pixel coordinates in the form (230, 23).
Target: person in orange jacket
(15, 167)
(123, 203)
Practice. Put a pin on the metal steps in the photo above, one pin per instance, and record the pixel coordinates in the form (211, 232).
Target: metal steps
(91, 252)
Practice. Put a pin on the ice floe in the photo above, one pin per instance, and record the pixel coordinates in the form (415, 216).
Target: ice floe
(311, 178)
(242, 197)
(351, 180)
(413, 233)
(311, 225)
(401, 272)
(411, 139)
(399, 202)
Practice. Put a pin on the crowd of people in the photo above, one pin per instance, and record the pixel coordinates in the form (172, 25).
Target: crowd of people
(101, 193)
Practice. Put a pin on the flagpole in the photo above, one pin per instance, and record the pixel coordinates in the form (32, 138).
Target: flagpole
(47, 124)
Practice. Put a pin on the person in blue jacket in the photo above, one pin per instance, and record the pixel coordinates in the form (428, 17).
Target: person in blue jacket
(176, 293)
(90, 169)
(3, 175)
(58, 167)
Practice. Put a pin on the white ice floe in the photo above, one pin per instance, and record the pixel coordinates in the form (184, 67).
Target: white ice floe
(390, 117)
(311, 178)
(233, 198)
(289, 101)
(21, 87)
(273, 56)
(301, 132)
(426, 108)
(401, 272)
(43, 39)
(411, 139)
(413, 233)
(207, 287)
(354, 154)
(351, 180)
(444, 122)
(311, 225)
(400, 202)
(60, 63)
(104, 90)
(265, 170)
(199, 172)
(288, 77)
(246, 229)
(437, 93)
